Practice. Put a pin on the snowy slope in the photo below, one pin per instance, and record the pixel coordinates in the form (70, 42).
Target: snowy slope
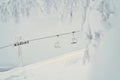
(92, 17)
(66, 67)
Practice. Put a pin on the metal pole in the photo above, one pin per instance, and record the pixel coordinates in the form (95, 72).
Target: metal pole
(20, 56)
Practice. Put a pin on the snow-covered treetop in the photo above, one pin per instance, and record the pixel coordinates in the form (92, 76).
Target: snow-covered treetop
(14, 9)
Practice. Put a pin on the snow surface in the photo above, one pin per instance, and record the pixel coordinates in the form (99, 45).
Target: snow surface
(66, 67)
(94, 18)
